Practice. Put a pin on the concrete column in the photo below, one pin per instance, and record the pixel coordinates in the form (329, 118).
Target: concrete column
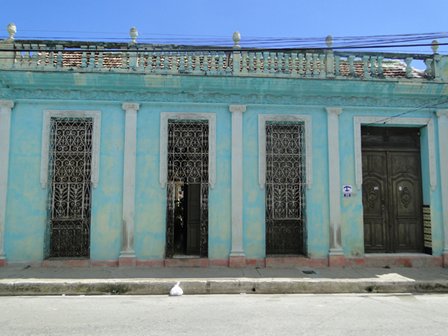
(336, 254)
(127, 254)
(237, 257)
(5, 130)
(443, 160)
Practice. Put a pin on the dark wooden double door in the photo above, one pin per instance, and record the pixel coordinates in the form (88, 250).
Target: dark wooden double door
(392, 192)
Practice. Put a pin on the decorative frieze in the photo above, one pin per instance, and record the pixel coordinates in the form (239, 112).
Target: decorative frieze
(401, 104)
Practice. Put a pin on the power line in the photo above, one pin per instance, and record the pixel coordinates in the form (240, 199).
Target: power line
(387, 119)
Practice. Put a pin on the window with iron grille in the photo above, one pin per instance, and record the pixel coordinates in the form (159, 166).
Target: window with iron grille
(285, 188)
(69, 206)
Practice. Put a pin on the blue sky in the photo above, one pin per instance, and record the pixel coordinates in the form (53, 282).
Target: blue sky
(207, 20)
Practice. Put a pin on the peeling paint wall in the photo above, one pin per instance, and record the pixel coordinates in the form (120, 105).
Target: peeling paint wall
(26, 213)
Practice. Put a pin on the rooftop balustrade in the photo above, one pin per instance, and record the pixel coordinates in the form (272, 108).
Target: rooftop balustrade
(214, 61)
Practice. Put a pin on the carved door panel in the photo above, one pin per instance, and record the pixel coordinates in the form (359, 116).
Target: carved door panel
(405, 193)
(392, 201)
(374, 199)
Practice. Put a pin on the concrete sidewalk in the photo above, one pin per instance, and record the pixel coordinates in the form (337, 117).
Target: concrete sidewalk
(29, 280)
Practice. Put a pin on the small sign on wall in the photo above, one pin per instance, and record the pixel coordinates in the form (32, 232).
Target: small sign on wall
(347, 190)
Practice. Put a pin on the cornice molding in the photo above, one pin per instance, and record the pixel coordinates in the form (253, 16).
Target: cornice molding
(218, 97)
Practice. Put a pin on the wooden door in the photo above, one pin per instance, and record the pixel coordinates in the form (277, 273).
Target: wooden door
(392, 196)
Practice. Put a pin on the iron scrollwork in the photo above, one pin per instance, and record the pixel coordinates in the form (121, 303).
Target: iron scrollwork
(70, 191)
(285, 188)
(187, 164)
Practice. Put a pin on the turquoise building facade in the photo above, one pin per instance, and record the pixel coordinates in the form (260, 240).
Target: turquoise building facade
(336, 113)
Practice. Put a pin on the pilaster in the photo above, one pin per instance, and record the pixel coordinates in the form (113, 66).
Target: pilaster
(336, 253)
(443, 160)
(127, 254)
(5, 130)
(237, 256)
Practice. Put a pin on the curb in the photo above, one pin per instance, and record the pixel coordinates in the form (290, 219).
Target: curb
(216, 286)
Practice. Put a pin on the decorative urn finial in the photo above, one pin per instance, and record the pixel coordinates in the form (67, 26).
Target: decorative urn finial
(329, 41)
(133, 33)
(236, 40)
(12, 30)
(435, 46)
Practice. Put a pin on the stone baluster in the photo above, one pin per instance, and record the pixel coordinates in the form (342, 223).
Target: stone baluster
(251, 62)
(337, 66)
(24, 58)
(166, 62)
(258, 62)
(329, 56)
(157, 64)
(315, 65)
(373, 68)
(244, 62)
(294, 67)
(300, 65)
(272, 57)
(142, 55)
(35, 55)
(308, 65)
(221, 63)
(365, 67)
(380, 66)
(189, 63)
(351, 66)
(213, 64)
(59, 49)
(280, 62)
(197, 63)
(322, 67)
(408, 61)
(182, 62)
(287, 63)
(92, 54)
(132, 56)
(84, 57)
(125, 58)
(265, 62)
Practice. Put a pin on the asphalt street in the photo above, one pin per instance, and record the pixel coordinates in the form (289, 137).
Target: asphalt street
(245, 314)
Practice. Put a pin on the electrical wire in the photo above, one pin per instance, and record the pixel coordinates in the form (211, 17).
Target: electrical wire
(360, 42)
